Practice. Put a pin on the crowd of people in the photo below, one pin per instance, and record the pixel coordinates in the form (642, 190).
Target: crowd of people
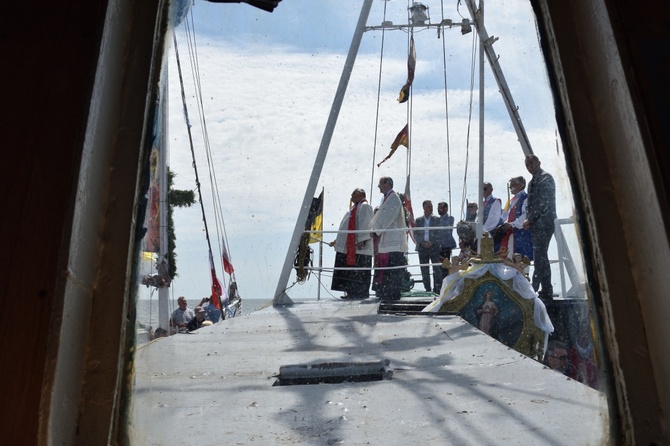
(521, 231)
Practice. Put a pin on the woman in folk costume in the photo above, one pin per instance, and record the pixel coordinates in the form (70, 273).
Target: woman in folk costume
(354, 250)
(391, 246)
(517, 239)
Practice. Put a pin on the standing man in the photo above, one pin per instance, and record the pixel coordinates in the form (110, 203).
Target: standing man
(391, 246)
(447, 241)
(354, 250)
(541, 213)
(492, 215)
(492, 209)
(428, 246)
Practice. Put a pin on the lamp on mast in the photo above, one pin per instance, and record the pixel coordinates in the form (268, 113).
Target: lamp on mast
(418, 13)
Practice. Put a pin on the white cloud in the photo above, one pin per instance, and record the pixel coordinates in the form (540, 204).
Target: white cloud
(266, 106)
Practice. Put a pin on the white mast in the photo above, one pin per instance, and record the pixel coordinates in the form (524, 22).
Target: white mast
(280, 296)
(479, 21)
(163, 291)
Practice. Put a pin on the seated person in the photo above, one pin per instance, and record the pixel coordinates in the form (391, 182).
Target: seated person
(213, 314)
(181, 316)
(197, 321)
(160, 333)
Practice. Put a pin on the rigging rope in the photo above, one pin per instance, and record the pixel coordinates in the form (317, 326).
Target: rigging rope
(190, 138)
(221, 234)
(473, 64)
(446, 107)
(379, 87)
(410, 102)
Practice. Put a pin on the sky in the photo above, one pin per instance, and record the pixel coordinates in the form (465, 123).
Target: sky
(268, 81)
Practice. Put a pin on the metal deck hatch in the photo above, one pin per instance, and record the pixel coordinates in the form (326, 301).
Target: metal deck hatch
(333, 373)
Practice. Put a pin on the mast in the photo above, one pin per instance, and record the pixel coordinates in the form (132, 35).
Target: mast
(163, 291)
(280, 296)
(479, 20)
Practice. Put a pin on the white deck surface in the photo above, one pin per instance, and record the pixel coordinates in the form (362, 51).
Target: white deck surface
(451, 385)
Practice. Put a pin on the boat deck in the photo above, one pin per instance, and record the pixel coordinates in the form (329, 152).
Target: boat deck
(450, 384)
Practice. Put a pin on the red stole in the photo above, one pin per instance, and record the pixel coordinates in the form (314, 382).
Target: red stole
(351, 237)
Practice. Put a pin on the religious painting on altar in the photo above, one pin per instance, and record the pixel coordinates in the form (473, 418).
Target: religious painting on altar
(494, 313)
(492, 306)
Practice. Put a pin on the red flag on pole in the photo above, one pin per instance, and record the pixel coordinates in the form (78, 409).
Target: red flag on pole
(217, 290)
(227, 265)
(401, 140)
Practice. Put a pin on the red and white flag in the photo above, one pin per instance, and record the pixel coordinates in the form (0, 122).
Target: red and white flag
(227, 265)
(218, 293)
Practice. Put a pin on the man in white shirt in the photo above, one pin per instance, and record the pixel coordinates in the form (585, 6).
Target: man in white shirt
(492, 214)
(182, 315)
(391, 246)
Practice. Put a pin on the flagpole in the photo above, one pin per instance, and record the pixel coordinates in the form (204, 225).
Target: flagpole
(163, 291)
(280, 297)
(479, 21)
(318, 291)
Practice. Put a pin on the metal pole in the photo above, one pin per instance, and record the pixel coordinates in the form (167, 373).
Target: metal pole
(479, 21)
(163, 291)
(280, 296)
(487, 47)
(318, 291)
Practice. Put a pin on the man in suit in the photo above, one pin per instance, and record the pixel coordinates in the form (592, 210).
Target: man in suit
(428, 246)
(447, 241)
(540, 216)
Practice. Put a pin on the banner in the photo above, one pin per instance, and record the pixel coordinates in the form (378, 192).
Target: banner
(411, 66)
(401, 140)
(315, 219)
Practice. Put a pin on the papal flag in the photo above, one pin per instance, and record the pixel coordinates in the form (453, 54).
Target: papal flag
(315, 219)
(401, 140)
(411, 66)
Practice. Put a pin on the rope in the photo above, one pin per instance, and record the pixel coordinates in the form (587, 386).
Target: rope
(410, 102)
(219, 222)
(446, 109)
(190, 139)
(379, 86)
(473, 64)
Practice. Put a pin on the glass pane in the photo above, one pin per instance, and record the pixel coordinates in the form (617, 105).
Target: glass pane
(259, 89)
